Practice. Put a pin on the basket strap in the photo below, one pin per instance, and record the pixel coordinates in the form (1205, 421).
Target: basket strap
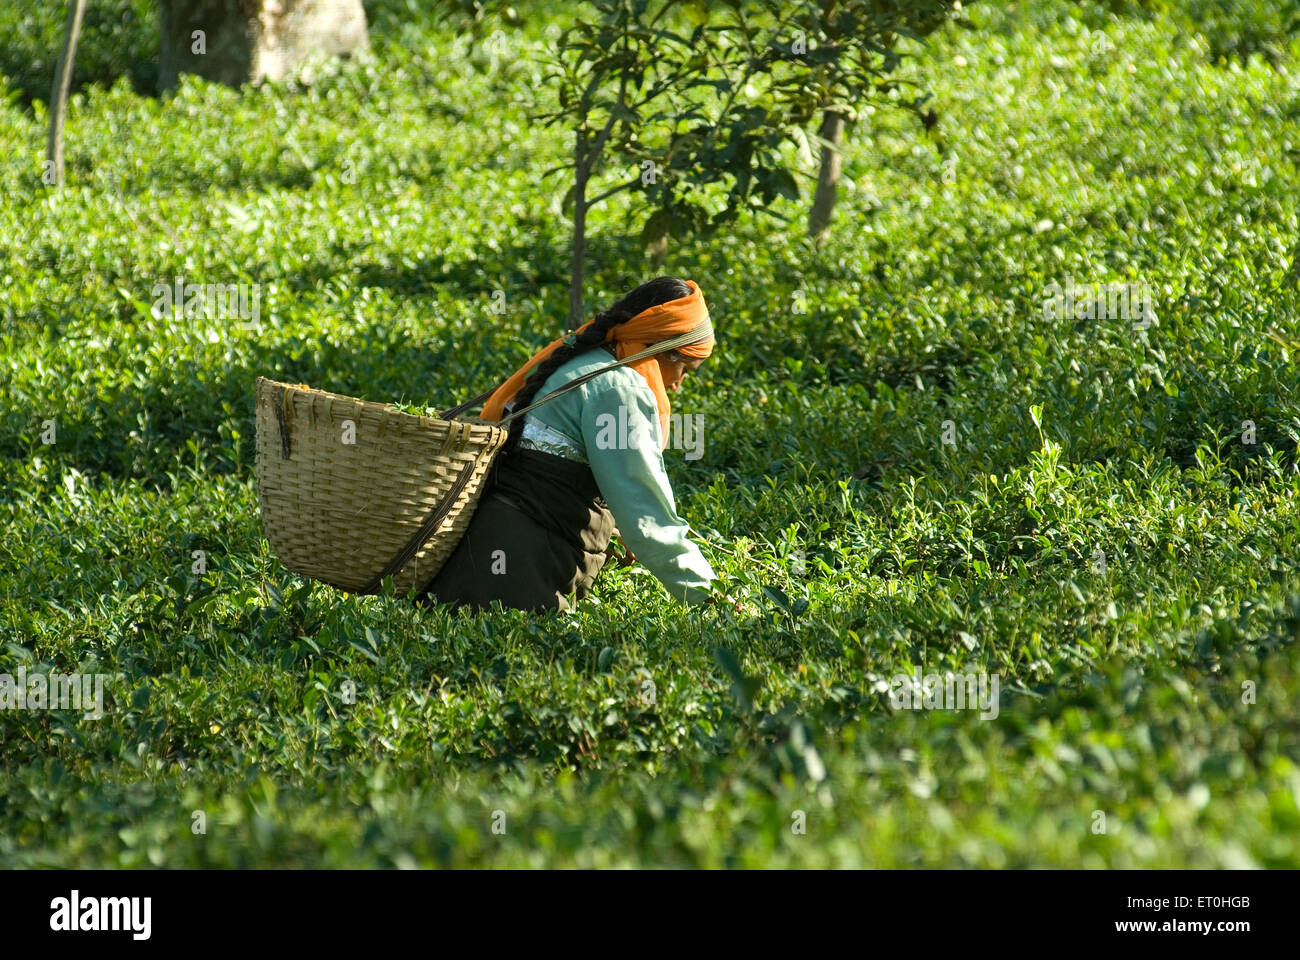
(693, 335)
(280, 401)
(431, 523)
(456, 411)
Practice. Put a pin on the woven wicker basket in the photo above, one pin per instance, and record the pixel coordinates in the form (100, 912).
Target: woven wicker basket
(394, 502)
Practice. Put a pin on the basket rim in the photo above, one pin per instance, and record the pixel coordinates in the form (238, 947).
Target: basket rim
(387, 408)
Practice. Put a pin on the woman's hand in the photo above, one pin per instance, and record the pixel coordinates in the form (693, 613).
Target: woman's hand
(625, 558)
(718, 598)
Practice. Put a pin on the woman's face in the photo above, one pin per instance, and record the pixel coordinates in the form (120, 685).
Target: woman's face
(673, 367)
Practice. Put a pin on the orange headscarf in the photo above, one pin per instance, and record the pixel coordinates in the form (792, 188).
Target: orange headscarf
(632, 336)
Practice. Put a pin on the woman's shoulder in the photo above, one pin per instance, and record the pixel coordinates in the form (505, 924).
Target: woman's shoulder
(620, 379)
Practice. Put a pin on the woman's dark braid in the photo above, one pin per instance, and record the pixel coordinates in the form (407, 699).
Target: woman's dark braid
(649, 294)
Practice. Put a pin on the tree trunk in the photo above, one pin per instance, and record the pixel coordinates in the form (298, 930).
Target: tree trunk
(245, 41)
(658, 252)
(577, 263)
(59, 93)
(828, 179)
(578, 260)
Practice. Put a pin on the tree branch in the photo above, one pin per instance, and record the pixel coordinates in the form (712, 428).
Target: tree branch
(622, 186)
(59, 95)
(599, 145)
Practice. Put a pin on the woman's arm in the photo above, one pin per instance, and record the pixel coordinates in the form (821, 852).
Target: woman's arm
(620, 431)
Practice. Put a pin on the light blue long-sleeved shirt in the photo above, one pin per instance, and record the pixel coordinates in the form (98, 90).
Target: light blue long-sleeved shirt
(611, 423)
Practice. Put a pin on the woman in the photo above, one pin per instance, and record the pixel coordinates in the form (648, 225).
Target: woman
(571, 471)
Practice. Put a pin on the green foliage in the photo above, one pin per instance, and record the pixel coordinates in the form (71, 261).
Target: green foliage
(1232, 29)
(708, 108)
(119, 38)
(382, 208)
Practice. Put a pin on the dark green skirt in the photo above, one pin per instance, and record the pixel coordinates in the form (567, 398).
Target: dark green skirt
(536, 541)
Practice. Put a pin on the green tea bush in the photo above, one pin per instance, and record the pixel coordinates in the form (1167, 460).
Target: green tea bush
(909, 462)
